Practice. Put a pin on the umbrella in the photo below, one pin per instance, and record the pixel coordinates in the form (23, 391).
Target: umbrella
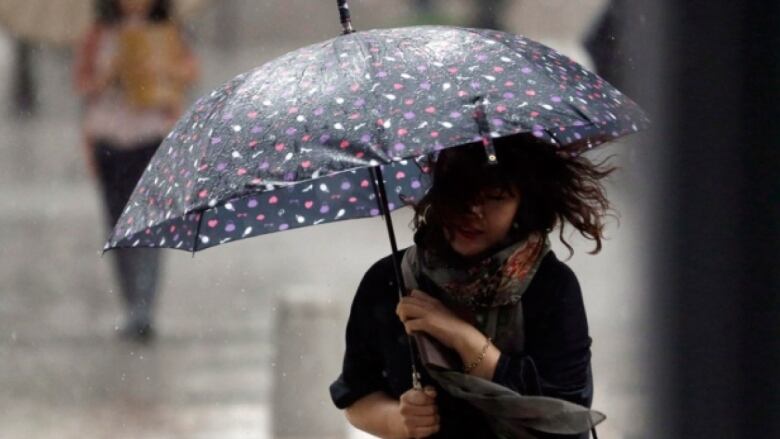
(62, 22)
(337, 130)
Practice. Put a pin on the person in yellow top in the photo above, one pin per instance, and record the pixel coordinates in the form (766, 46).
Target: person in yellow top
(133, 69)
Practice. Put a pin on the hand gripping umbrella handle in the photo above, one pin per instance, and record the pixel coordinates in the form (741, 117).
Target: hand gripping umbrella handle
(379, 189)
(346, 20)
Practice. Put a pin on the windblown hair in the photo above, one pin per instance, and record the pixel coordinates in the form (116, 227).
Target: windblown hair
(110, 12)
(555, 190)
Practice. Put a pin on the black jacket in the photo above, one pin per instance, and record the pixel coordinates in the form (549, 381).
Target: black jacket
(556, 361)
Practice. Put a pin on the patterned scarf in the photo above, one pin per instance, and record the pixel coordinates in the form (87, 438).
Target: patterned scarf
(497, 280)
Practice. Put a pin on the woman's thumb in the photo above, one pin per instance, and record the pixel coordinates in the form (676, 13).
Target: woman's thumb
(430, 391)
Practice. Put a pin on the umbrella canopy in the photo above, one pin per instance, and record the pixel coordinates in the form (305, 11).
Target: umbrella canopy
(292, 143)
(62, 22)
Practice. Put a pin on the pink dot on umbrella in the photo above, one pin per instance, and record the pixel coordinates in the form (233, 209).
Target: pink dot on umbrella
(530, 92)
(284, 226)
(273, 199)
(203, 194)
(352, 199)
(434, 134)
(308, 204)
(402, 131)
(279, 147)
(344, 144)
(364, 183)
(230, 227)
(305, 164)
(498, 69)
(252, 203)
(293, 110)
(252, 114)
(260, 217)
(430, 110)
(253, 143)
(172, 229)
(241, 171)
(509, 84)
(398, 86)
(501, 108)
(213, 223)
(409, 101)
(399, 175)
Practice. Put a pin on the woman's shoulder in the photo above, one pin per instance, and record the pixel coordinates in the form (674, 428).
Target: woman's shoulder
(554, 274)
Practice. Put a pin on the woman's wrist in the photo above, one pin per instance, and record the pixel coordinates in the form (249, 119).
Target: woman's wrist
(475, 347)
(394, 423)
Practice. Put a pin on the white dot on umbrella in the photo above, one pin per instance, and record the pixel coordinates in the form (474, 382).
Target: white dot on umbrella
(489, 77)
(204, 239)
(547, 107)
(300, 219)
(300, 118)
(267, 103)
(237, 128)
(339, 100)
(373, 163)
(338, 126)
(212, 203)
(288, 156)
(340, 213)
(236, 155)
(390, 97)
(446, 124)
(324, 187)
(162, 242)
(388, 123)
(247, 231)
(229, 206)
(446, 86)
(505, 59)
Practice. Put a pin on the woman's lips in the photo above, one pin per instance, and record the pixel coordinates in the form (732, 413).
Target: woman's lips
(468, 232)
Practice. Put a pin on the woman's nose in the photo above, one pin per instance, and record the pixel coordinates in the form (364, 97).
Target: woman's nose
(476, 210)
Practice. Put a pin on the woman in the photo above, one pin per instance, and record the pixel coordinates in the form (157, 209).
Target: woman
(132, 71)
(490, 290)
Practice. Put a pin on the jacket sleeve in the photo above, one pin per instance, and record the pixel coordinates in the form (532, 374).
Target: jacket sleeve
(556, 361)
(362, 367)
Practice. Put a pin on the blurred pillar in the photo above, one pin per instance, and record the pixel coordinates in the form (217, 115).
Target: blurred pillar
(24, 95)
(309, 334)
(718, 283)
(487, 13)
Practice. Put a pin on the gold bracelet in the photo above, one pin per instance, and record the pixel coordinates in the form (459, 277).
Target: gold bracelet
(471, 366)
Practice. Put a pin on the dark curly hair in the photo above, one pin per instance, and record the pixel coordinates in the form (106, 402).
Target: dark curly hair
(109, 11)
(555, 189)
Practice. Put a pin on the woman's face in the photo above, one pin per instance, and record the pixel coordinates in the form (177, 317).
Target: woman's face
(488, 223)
(135, 8)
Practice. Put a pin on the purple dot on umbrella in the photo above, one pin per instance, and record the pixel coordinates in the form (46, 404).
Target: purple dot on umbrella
(365, 138)
(252, 203)
(319, 111)
(221, 166)
(216, 140)
(230, 227)
(290, 176)
(425, 85)
(359, 102)
(264, 165)
(416, 184)
(324, 138)
(556, 99)
(421, 68)
(227, 116)
(578, 136)
(382, 74)
(325, 209)
(400, 146)
(290, 131)
(409, 115)
(509, 95)
(374, 212)
(538, 133)
(481, 57)
(284, 226)
(391, 206)
(497, 122)
(578, 123)
(176, 237)
(345, 186)
(538, 127)
(476, 85)
(257, 129)
(455, 115)
(526, 70)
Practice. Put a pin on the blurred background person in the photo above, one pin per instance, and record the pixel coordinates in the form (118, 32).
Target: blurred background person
(132, 71)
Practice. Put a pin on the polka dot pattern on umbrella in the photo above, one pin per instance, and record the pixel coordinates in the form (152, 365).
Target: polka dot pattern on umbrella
(338, 107)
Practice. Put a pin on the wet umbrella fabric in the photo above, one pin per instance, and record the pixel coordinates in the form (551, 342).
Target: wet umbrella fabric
(292, 143)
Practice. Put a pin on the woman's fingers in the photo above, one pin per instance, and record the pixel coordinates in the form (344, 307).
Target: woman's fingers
(417, 294)
(410, 309)
(423, 432)
(420, 413)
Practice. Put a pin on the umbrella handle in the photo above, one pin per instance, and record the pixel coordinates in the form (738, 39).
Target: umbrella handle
(381, 194)
(346, 20)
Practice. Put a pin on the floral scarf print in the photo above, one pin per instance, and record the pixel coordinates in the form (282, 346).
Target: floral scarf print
(497, 280)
